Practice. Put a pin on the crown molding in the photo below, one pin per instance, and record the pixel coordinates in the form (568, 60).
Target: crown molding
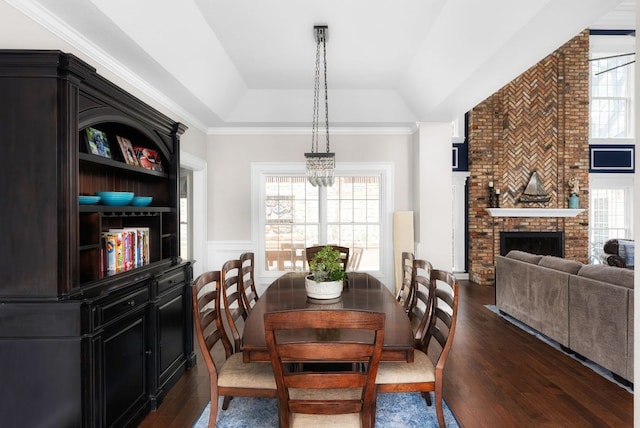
(44, 17)
(278, 130)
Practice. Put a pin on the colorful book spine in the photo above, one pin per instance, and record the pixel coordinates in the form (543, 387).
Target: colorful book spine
(110, 247)
(125, 249)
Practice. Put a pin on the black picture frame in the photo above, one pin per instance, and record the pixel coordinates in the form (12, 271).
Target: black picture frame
(98, 143)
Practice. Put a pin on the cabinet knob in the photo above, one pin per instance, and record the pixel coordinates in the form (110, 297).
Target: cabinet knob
(131, 303)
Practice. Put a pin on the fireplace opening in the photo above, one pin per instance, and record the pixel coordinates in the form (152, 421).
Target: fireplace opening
(543, 243)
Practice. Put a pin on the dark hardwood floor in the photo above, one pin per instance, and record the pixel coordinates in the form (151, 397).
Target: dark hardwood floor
(496, 376)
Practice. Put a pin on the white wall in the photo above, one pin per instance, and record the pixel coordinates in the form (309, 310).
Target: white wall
(434, 213)
(229, 158)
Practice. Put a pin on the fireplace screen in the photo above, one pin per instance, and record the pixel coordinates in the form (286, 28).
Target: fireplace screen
(543, 243)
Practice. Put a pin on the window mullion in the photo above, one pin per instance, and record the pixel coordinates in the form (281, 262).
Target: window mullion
(322, 215)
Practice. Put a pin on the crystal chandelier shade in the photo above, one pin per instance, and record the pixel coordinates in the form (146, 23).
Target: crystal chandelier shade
(320, 166)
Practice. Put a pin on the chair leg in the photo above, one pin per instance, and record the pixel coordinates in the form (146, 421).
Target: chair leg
(213, 413)
(427, 398)
(438, 399)
(226, 401)
(213, 405)
(372, 411)
(283, 416)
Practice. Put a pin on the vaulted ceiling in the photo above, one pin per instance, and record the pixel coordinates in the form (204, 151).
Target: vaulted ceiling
(250, 63)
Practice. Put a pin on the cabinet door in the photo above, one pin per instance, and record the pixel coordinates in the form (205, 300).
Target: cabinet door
(124, 362)
(171, 331)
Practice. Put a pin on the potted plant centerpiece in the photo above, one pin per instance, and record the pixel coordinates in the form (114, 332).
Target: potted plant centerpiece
(327, 274)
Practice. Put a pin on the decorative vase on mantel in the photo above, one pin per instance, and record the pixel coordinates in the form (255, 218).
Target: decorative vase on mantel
(574, 201)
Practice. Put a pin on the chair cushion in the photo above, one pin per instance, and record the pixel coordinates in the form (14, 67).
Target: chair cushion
(421, 370)
(346, 420)
(338, 421)
(235, 373)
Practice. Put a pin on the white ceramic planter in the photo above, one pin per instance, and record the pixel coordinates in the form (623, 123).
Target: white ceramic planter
(323, 290)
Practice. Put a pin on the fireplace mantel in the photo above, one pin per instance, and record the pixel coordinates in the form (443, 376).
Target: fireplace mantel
(533, 212)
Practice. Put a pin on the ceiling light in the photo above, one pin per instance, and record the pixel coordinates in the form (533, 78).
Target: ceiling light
(320, 166)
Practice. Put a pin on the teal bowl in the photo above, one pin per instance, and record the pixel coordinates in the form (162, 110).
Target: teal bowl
(88, 199)
(115, 198)
(141, 201)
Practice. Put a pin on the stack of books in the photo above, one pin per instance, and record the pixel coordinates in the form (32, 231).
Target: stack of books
(125, 249)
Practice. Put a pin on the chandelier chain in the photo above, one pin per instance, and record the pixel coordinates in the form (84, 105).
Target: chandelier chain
(320, 166)
(316, 102)
(326, 96)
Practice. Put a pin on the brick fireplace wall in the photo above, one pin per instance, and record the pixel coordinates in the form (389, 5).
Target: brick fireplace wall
(538, 122)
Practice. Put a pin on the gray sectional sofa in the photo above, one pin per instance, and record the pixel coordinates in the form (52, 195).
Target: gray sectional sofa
(585, 308)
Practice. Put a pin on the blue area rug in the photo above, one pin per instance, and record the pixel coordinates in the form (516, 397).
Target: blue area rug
(400, 410)
(588, 363)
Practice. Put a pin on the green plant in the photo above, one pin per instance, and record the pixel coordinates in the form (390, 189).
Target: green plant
(326, 265)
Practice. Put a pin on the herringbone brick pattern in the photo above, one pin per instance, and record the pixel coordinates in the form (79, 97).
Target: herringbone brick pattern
(530, 140)
(537, 122)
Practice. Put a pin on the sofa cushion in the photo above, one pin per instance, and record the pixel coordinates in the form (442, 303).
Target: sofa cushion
(558, 263)
(598, 320)
(524, 256)
(608, 274)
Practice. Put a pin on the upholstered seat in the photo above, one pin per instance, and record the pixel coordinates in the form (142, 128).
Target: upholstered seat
(235, 372)
(433, 342)
(420, 370)
(231, 377)
(312, 397)
(347, 420)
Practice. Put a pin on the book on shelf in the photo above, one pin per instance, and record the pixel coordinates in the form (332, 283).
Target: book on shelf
(125, 248)
(110, 243)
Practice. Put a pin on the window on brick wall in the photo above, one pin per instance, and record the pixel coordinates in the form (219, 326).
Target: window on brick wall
(612, 87)
(611, 121)
(610, 210)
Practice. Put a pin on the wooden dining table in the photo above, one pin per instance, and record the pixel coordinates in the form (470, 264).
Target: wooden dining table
(362, 292)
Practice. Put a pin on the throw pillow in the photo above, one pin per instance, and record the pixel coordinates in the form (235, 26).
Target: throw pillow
(627, 251)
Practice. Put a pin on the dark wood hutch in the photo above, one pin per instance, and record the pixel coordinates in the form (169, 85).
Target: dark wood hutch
(80, 346)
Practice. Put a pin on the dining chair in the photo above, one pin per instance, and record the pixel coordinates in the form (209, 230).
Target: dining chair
(344, 253)
(248, 285)
(231, 377)
(355, 255)
(421, 308)
(306, 398)
(405, 293)
(425, 373)
(232, 300)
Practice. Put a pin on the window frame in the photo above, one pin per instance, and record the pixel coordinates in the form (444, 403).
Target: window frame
(604, 45)
(623, 182)
(259, 171)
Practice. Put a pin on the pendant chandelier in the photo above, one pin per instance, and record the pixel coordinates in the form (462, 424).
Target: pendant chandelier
(320, 166)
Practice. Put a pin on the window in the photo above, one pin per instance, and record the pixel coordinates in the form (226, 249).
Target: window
(612, 87)
(295, 215)
(610, 208)
(185, 230)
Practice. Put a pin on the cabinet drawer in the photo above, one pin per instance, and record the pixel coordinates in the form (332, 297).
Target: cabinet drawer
(113, 310)
(166, 282)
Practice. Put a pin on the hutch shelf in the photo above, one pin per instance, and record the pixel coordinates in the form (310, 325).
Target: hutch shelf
(84, 342)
